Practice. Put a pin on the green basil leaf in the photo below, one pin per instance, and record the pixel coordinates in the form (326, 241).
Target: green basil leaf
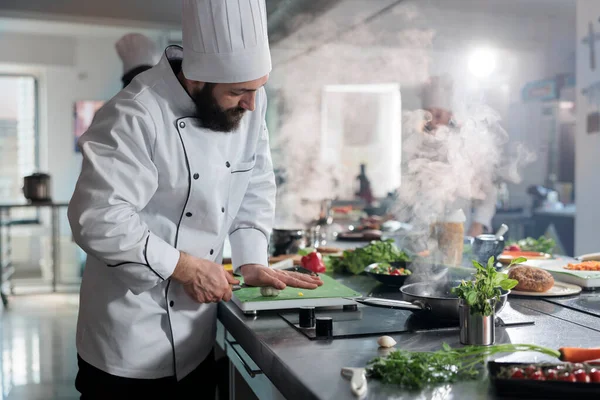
(471, 298)
(519, 260)
(508, 284)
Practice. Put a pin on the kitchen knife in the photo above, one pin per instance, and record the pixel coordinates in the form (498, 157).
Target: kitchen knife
(240, 286)
(358, 380)
(301, 270)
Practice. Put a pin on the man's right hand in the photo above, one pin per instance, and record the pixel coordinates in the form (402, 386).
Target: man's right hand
(204, 281)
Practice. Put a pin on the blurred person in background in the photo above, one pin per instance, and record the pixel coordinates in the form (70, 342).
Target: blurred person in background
(138, 53)
(437, 97)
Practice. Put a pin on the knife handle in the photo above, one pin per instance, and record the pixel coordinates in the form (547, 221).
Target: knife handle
(589, 257)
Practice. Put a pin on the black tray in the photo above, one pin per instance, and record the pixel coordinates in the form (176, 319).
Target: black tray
(527, 388)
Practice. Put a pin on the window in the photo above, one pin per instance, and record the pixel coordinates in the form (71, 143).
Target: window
(18, 138)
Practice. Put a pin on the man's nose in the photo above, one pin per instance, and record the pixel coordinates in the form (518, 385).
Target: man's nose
(248, 101)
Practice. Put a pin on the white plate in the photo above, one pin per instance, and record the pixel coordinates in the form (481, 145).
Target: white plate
(559, 289)
(556, 266)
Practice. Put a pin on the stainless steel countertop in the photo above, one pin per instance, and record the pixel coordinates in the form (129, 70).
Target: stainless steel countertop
(306, 369)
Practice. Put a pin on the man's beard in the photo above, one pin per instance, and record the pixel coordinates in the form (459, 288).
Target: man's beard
(211, 115)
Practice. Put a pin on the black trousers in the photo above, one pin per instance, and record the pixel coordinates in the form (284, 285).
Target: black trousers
(94, 383)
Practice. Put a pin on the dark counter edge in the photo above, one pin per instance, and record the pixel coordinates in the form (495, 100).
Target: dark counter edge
(278, 373)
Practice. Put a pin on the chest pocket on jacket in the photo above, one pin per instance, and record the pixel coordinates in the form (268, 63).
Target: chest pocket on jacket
(240, 177)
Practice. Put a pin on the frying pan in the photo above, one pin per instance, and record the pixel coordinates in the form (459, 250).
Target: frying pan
(434, 298)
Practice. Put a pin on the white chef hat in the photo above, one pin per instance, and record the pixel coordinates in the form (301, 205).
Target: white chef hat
(136, 50)
(437, 93)
(225, 41)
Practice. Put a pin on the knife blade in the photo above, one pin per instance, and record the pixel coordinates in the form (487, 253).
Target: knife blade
(300, 270)
(240, 286)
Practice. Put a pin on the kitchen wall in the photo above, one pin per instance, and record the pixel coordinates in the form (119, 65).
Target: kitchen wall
(71, 62)
(69, 67)
(587, 162)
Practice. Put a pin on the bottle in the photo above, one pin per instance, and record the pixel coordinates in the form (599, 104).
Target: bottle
(364, 186)
(449, 232)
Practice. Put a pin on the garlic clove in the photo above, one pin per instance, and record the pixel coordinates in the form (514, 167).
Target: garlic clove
(386, 341)
(268, 291)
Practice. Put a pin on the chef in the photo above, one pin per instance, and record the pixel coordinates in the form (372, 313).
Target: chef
(172, 165)
(138, 53)
(437, 100)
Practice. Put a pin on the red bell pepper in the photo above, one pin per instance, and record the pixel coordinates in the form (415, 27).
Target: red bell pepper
(313, 262)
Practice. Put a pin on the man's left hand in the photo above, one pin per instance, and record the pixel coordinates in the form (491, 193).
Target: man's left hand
(259, 275)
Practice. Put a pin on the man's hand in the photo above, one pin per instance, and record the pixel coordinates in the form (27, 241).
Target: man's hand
(259, 275)
(476, 229)
(204, 281)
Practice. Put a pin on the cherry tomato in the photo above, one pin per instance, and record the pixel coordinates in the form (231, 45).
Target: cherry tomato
(595, 375)
(513, 247)
(517, 373)
(529, 370)
(537, 376)
(567, 377)
(396, 272)
(581, 376)
(551, 375)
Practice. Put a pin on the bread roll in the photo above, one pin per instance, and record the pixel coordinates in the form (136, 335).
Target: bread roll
(531, 279)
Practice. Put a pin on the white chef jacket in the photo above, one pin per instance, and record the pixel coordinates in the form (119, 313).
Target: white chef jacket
(481, 211)
(154, 182)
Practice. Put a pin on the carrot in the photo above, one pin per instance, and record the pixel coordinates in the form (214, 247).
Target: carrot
(577, 354)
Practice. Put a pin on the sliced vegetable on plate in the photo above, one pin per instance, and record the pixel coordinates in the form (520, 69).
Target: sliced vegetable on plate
(387, 269)
(584, 266)
(540, 245)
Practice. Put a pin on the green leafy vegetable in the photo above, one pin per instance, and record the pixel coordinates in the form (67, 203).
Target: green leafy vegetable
(416, 370)
(378, 251)
(306, 251)
(485, 286)
(542, 245)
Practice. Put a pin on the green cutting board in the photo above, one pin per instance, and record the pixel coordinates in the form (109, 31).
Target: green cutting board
(331, 293)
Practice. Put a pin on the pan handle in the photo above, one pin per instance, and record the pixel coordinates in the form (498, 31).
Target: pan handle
(404, 305)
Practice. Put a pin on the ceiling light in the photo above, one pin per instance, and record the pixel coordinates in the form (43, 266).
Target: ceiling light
(482, 62)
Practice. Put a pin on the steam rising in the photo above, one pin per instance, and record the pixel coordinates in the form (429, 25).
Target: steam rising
(438, 170)
(453, 166)
(356, 58)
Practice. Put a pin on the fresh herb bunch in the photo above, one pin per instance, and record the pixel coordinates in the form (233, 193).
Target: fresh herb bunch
(378, 251)
(415, 370)
(485, 286)
(543, 244)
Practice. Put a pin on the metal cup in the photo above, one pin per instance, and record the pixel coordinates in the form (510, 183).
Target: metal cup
(476, 329)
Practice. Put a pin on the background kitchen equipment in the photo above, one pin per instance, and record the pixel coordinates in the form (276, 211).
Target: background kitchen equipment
(486, 246)
(36, 187)
(287, 241)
